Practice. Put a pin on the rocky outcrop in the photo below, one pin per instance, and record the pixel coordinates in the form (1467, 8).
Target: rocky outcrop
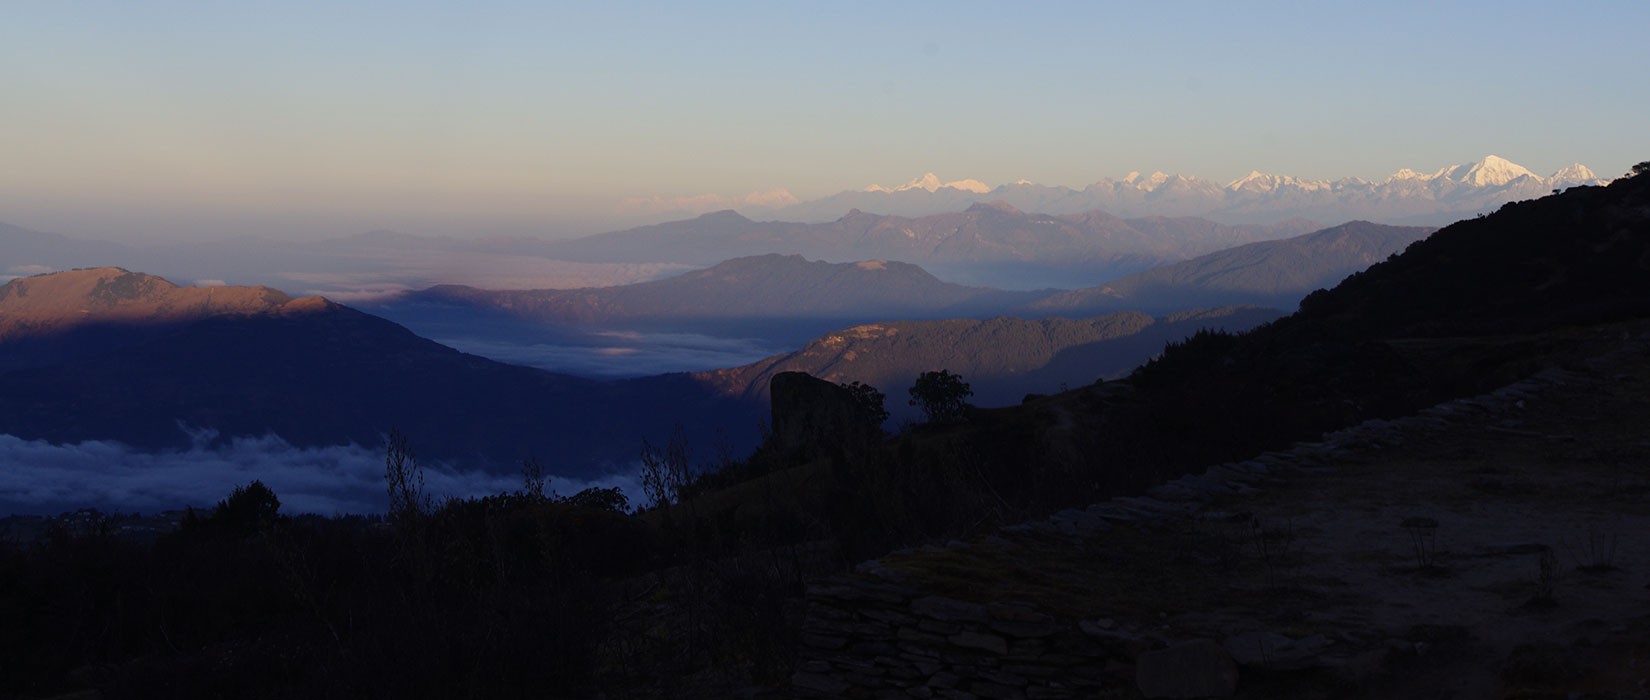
(813, 418)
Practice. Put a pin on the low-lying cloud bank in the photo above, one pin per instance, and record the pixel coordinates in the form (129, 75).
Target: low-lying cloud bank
(40, 478)
(621, 354)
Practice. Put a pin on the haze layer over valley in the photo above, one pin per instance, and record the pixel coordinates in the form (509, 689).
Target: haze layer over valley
(225, 374)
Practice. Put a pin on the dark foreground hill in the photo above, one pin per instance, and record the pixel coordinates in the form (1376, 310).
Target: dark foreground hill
(159, 359)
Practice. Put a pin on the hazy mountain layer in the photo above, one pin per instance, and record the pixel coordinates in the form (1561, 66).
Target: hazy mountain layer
(25, 252)
(987, 241)
(783, 302)
(765, 286)
(1269, 273)
(362, 266)
(1001, 358)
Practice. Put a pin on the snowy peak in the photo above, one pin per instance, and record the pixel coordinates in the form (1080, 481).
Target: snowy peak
(931, 183)
(928, 181)
(1254, 181)
(1257, 181)
(1147, 183)
(1407, 174)
(1493, 171)
(969, 185)
(1574, 174)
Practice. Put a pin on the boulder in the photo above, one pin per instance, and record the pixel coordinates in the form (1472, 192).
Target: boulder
(814, 418)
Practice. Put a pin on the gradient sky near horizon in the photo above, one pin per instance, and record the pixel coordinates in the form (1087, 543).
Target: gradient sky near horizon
(313, 119)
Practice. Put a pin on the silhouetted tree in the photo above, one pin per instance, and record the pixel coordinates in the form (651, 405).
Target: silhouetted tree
(248, 509)
(666, 472)
(941, 395)
(533, 480)
(608, 499)
(404, 479)
(870, 402)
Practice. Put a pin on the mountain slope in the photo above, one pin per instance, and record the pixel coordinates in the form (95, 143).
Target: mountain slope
(1269, 273)
(1475, 306)
(1001, 358)
(55, 302)
(317, 373)
(50, 318)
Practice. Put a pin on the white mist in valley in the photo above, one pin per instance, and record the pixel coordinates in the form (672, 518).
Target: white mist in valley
(41, 478)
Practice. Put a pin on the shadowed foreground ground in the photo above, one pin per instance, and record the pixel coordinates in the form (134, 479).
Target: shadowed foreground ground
(1299, 564)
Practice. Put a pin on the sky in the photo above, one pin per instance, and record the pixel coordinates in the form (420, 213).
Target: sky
(181, 120)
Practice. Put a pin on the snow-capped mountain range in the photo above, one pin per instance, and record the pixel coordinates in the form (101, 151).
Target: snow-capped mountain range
(1406, 197)
(930, 182)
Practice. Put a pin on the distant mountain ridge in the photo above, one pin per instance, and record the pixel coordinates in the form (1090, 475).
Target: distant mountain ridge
(772, 286)
(966, 244)
(1269, 273)
(1406, 197)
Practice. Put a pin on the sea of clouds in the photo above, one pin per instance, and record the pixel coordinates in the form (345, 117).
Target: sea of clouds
(41, 478)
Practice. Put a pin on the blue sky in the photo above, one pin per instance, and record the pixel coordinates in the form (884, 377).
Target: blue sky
(188, 119)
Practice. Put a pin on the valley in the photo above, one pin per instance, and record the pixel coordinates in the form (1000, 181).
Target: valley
(1408, 371)
(610, 351)
(206, 372)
